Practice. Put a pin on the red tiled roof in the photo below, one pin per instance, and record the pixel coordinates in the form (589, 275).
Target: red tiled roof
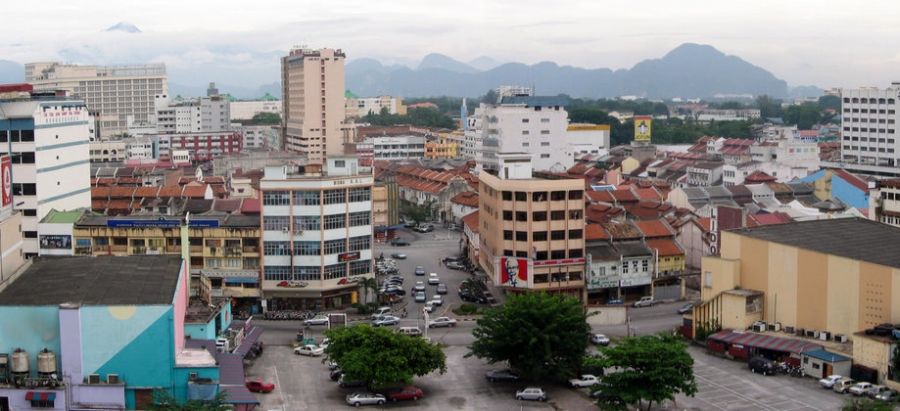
(601, 212)
(622, 230)
(194, 191)
(250, 206)
(471, 220)
(121, 192)
(649, 210)
(100, 192)
(665, 247)
(759, 219)
(593, 232)
(648, 193)
(759, 177)
(170, 191)
(146, 191)
(654, 228)
(578, 169)
(624, 195)
(601, 196)
(99, 205)
(466, 198)
(120, 205)
(705, 223)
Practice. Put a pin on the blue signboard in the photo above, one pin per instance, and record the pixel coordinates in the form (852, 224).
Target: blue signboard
(160, 223)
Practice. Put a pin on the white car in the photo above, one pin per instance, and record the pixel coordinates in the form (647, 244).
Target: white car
(309, 350)
(365, 398)
(429, 307)
(586, 380)
(437, 300)
(442, 322)
(420, 286)
(386, 320)
(646, 301)
(600, 339)
(317, 320)
(531, 394)
(828, 382)
(433, 279)
(861, 388)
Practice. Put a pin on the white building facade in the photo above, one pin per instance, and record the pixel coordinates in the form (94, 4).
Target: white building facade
(397, 148)
(362, 106)
(260, 136)
(869, 119)
(245, 110)
(588, 139)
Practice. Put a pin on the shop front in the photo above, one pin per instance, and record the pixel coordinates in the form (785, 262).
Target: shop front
(299, 299)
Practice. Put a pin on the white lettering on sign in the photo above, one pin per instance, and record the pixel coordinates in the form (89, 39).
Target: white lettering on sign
(348, 181)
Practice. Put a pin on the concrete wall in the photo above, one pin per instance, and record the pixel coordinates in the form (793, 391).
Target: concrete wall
(30, 328)
(872, 352)
(17, 400)
(607, 315)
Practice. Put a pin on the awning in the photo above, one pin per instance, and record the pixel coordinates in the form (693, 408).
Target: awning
(40, 396)
(248, 341)
(766, 342)
(231, 379)
(241, 280)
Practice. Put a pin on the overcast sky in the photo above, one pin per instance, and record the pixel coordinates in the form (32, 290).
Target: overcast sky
(825, 43)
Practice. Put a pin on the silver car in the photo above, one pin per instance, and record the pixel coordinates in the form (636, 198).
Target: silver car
(531, 394)
(365, 398)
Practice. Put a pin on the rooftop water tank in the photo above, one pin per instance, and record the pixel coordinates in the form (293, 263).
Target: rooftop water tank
(46, 362)
(20, 362)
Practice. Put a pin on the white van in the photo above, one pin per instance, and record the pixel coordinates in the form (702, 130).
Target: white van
(381, 311)
(411, 331)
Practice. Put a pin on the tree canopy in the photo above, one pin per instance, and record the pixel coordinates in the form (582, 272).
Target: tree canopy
(540, 335)
(652, 368)
(266, 118)
(803, 116)
(382, 356)
(421, 116)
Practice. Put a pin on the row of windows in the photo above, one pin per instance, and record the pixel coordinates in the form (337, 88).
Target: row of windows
(542, 195)
(26, 157)
(314, 248)
(873, 139)
(866, 111)
(886, 195)
(545, 255)
(868, 100)
(872, 149)
(314, 273)
(337, 196)
(311, 223)
(866, 120)
(16, 136)
(541, 215)
(870, 130)
(542, 235)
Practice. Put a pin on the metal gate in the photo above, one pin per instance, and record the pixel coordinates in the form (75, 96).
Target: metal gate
(667, 292)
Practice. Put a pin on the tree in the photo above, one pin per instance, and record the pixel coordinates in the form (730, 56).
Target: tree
(830, 102)
(367, 284)
(768, 106)
(267, 118)
(381, 356)
(540, 335)
(803, 116)
(418, 213)
(866, 404)
(163, 401)
(652, 368)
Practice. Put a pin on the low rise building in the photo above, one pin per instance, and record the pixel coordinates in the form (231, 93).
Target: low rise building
(588, 139)
(884, 202)
(245, 110)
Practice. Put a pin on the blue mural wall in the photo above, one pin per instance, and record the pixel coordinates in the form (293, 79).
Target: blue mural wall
(31, 328)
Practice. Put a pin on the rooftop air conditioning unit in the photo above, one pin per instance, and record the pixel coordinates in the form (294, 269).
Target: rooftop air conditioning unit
(776, 327)
(801, 332)
(759, 327)
(112, 379)
(789, 329)
(824, 335)
(94, 379)
(841, 338)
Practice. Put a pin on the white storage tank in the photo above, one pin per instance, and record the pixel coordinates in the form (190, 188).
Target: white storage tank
(46, 362)
(20, 363)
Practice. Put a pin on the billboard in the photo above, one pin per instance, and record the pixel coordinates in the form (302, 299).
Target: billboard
(643, 126)
(6, 175)
(56, 242)
(515, 272)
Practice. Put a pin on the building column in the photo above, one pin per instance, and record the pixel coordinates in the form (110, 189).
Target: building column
(70, 343)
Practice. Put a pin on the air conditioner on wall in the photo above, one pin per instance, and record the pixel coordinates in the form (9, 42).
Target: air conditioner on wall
(801, 332)
(93, 379)
(841, 338)
(112, 378)
(824, 335)
(759, 327)
(777, 327)
(789, 329)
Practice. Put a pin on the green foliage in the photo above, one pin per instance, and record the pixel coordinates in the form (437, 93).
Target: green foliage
(163, 401)
(382, 356)
(652, 368)
(266, 118)
(769, 107)
(593, 364)
(803, 116)
(467, 309)
(706, 329)
(830, 102)
(367, 308)
(866, 404)
(421, 117)
(415, 212)
(540, 335)
(367, 284)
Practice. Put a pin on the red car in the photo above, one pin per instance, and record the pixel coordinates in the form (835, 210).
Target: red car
(259, 386)
(404, 393)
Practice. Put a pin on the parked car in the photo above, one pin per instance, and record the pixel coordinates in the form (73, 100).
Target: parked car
(257, 385)
(309, 350)
(843, 385)
(828, 382)
(441, 288)
(437, 300)
(600, 339)
(762, 365)
(646, 301)
(420, 286)
(317, 320)
(408, 392)
(381, 311)
(887, 396)
(399, 243)
(396, 278)
(875, 390)
(442, 322)
(453, 259)
(411, 331)
(420, 270)
(455, 265)
(385, 321)
(343, 382)
(429, 307)
(393, 290)
(686, 308)
(433, 279)
(860, 388)
(335, 374)
(424, 228)
(399, 256)
(365, 398)
(531, 394)
(585, 380)
(420, 297)
(502, 375)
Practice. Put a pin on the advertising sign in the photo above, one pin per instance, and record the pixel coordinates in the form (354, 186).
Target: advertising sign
(56, 242)
(351, 256)
(6, 175)
(160, 223)
(643, 126)
(515, 272)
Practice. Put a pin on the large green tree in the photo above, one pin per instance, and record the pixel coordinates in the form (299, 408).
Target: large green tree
(163, 401)
(803, 116)
(540, 335)
(382, 356)
(651, 368)
(267, 118)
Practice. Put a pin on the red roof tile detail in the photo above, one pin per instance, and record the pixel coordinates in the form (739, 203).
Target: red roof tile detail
(665, 247)
(471, 221)
(466, 198)
(593, 232)
(654, 228)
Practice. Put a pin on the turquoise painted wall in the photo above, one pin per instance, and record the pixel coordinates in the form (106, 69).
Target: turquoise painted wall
(182, 375)
(208, 331)
(31, 328)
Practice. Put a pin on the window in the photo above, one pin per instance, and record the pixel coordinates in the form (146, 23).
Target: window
(521, 196)
(574, 214)
(360, 267)
(29, 212)
(645, 265)
(545, 132)
(335, 221)
(29, 234)
(307, 248)
(334, 196)
(277, 273)
(360, 194)
(575, 234)
(525, 120)
(539, 216)
(557, 195)
(540, 255)
(507, 195)
(521, 216)
(276, 198)
(37, 403)
(539, 196)
(338, 163)
(558, 235)
(539, 236)
(507, 215)
(335, 271)
(26, 135)
(26, 189)
(307, 273)
(276, 223)
(558, 215)
(557, 254)
(360, 218)
(507, 234)
(545, 144)
(335, 246)
(575, 195)
(360, 243)
(521, 236)
(545, 155)
(525, 132)
(625, 268)
(275, 247)
(306, 198)
(307, 223)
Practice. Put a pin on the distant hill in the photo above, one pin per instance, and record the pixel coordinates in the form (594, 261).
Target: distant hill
(11, 72)
(688, 71)
(124, 27)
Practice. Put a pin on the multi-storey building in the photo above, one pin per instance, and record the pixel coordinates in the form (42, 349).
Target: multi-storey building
(869, 140)
(312, 84)
(528, 124)
(884, 202)
(317, 234)
(531, 230)
(245, 110)
(48, 141)
(11, 254)
(588, 139)
(203, 146)
(362, 106)
(397, 148)
(111, 93)
(204, 114)
(259, 135)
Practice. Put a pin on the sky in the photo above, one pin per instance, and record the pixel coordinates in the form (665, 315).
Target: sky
(824, 43)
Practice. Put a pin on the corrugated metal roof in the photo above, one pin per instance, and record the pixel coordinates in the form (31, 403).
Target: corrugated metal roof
(231, 379)
(765, 341)
(826, 356)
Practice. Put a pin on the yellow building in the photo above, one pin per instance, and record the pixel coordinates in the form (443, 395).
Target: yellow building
(833, 277)
(531, 230)
(443, 147)
(224, 248)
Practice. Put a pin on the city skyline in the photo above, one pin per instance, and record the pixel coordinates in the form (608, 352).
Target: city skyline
(825, 49)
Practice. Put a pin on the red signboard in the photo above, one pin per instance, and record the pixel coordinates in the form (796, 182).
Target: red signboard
(352, 256)
(513, 271)
(6, 176)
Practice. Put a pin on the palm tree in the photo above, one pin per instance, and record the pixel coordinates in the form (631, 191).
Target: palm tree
(366, 284)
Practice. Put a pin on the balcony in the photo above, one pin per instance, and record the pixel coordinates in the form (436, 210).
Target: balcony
(138, 250)
(251, 249)
(84, 251)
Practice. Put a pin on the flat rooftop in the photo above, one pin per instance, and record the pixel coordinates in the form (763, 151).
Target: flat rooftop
(854, 238)
(108, 280)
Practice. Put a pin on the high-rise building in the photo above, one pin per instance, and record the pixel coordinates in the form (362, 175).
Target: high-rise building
(317, 235)
(531, 230)
(48, 142)
(312, 84)
(111, 93)
(869, 121)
